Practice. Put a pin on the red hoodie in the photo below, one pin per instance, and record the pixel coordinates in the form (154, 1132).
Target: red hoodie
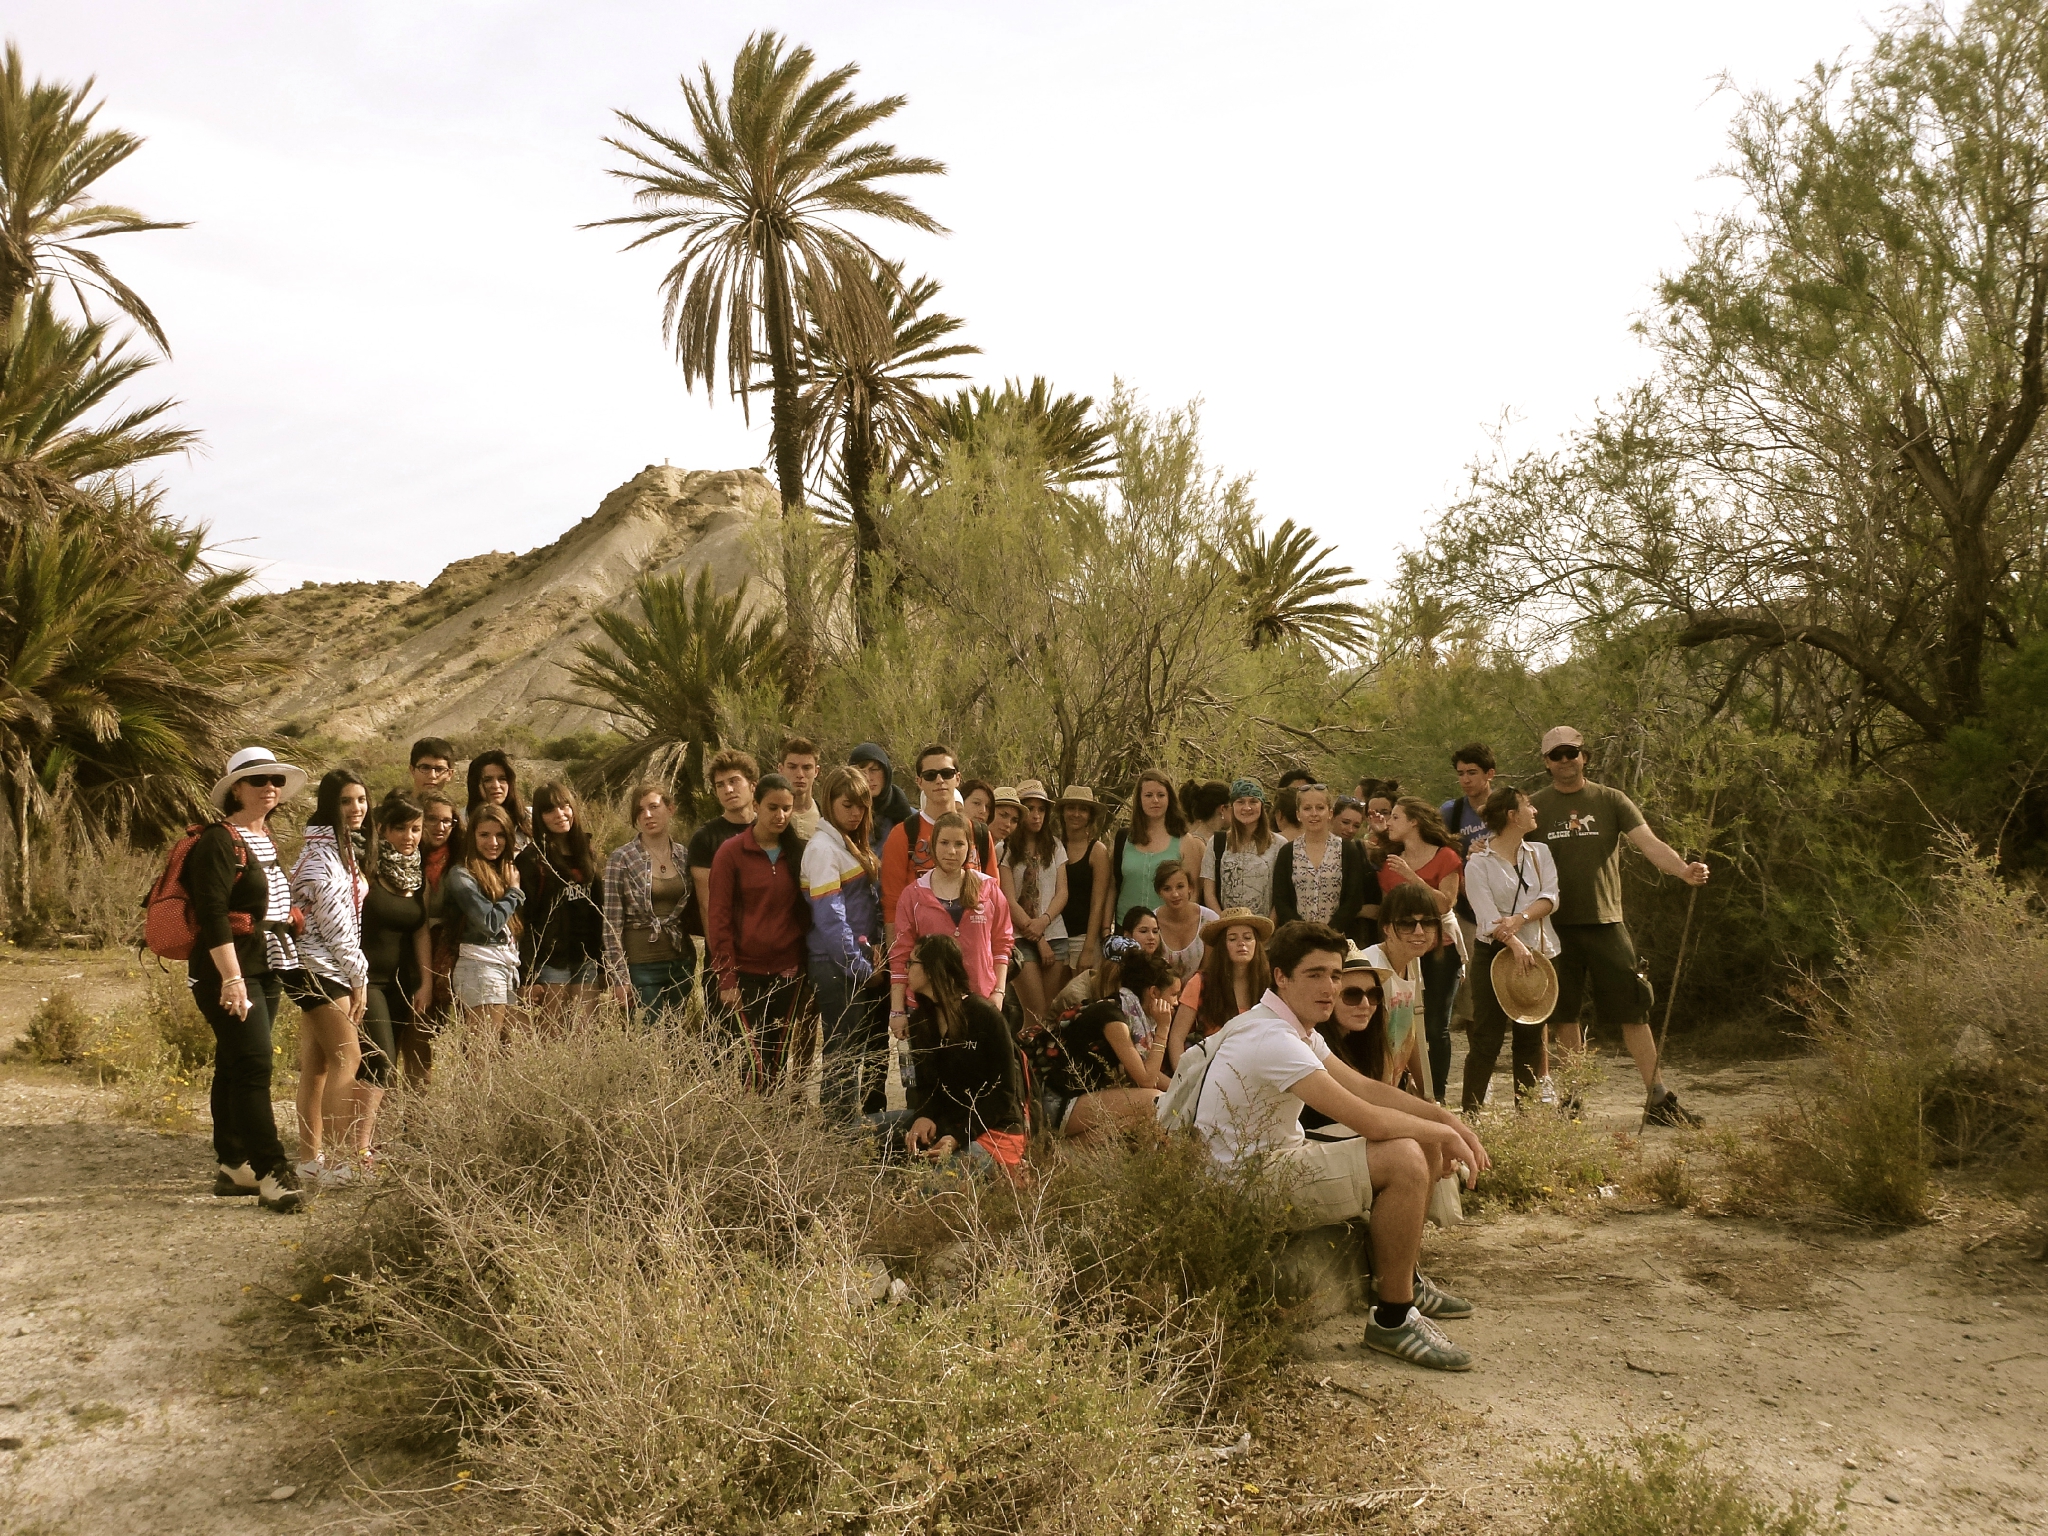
(758, 914)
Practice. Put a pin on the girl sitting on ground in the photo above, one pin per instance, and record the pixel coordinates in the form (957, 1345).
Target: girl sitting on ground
(1234, 976)
(1139, 929)
(1111, 1082)
(965, 1101)
(1180, 918)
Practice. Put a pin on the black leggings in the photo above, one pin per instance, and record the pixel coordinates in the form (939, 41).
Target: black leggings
(1489, 1028)
(244, 1129)
(765, 1024)
(385, 1005)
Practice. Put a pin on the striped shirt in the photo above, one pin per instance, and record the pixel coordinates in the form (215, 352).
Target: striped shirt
(278, 948)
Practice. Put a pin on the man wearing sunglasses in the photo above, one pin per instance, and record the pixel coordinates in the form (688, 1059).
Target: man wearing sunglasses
(1271, 1060)
(1583, 825)
(908, 853)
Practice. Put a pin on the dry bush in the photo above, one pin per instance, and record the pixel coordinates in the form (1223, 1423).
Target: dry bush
(58, 1030)
(1673, 1488)
(646, 1299)
(85, 892)
(1938, 1049)
(1541, 1157)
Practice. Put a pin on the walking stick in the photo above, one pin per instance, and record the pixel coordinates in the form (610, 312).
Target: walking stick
(1678, 966)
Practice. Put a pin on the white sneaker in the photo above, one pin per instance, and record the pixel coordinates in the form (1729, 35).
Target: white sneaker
(313, 1171)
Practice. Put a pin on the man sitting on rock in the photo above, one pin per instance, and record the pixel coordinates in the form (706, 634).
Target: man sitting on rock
(1268, 1062)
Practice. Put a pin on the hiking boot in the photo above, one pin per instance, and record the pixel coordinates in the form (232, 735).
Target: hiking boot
(279, 1191)
(238, 1180)
(1419, 1342)
(1437, 1304)
(1668, 1111)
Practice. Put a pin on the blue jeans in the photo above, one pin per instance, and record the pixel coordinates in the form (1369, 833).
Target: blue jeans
(856, 1026)
(664, 986)
(1440, 969)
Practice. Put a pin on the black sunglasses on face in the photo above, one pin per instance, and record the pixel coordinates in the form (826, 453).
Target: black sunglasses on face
(934, 775)
(273, 780)
(1420, 924)
(1351, 997)
(1562, 754)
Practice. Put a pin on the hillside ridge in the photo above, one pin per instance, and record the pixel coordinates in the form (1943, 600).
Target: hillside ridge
(487, 640)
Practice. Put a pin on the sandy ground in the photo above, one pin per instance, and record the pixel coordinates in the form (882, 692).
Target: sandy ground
(139, 1389)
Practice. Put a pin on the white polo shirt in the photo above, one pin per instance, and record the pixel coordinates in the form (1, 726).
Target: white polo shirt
(1246, 1107)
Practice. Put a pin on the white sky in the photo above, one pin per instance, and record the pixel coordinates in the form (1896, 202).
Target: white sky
(1360, 233)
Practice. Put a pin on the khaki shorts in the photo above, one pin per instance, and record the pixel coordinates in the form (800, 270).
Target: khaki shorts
(1324, 1181)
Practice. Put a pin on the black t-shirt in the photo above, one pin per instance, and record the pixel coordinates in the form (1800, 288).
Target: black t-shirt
(389, 922)
(709, 838)
(1093, 1065)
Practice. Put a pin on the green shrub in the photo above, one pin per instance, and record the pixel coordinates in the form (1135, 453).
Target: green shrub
(59, 1030)
(1541, 1157)
(647, 1299)
(1937, 1049)
(1671, 1490)
(178, 1023)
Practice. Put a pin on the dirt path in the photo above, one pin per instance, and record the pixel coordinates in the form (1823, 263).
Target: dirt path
(139, 1392)
(1902, 1362)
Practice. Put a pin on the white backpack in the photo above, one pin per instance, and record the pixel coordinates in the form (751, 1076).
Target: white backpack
(1183, 1097)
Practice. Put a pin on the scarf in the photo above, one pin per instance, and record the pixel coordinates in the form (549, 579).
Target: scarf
(400, 872)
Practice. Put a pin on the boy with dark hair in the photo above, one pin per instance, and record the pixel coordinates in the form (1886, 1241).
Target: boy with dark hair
(433, 765)
(733, 775)
(800, 767)
(1271, 1060)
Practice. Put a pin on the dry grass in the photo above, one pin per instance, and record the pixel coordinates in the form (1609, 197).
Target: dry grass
(1938, 1047)
(636, 1297)
(1672, 1487)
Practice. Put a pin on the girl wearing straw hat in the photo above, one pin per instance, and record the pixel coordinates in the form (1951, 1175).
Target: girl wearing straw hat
(1034, 876)
(1234, 976)
(1512, 884)
(1088, 910)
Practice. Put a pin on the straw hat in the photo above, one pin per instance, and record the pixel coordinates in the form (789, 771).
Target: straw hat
(1007, 795)
(256, 762)
(1032, 789)
(1526, 996)
(1236, 917)
(1080, 794)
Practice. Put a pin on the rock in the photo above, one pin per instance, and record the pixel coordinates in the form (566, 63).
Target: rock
(282, 1492)
(11, 1442)
(1324, 1271)
(899, 1292)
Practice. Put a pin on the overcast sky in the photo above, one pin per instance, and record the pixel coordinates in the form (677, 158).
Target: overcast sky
(1360, 233)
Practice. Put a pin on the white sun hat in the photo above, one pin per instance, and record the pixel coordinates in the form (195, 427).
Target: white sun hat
(256, 762)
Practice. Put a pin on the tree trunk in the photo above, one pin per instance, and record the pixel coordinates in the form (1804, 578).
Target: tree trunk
(784, 438)
(858, 462)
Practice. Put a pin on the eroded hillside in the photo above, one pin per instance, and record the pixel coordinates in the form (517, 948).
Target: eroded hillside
(487, 640)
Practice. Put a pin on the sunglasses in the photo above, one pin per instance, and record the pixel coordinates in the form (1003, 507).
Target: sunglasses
(1415, 924)
(935, 775)
(1346, 803)
(273, 780)
(1352, 997)
(1562, 754)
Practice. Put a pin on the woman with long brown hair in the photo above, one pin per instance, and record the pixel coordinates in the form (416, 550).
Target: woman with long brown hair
(1034, 875)
(966, 1100)
(485, 893)
(563, 935)
(1152, 837)
(842, 880)
(493, 781)
(332, 981)
(1421, 853)
(1235, 974)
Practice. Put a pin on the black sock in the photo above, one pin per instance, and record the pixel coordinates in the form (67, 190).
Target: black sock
(1391, 1314)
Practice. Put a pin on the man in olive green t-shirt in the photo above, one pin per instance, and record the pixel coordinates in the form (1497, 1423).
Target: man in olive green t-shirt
(1583, 825)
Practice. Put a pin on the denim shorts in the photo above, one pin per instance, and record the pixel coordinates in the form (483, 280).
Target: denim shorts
(582, 974)
(1057, 1107)
(1068, 950)
(485, 976)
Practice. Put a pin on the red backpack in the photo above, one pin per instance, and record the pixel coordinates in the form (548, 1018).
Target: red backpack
(170, 927)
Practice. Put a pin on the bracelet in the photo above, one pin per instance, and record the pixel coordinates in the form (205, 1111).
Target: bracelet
(233, 981)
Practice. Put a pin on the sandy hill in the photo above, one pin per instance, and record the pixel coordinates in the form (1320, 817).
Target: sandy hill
(486, 641)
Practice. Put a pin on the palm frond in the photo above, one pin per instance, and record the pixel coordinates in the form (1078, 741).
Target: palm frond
(1288, 590)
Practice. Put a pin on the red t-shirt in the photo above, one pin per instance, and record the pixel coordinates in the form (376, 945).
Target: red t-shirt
(1446, 862)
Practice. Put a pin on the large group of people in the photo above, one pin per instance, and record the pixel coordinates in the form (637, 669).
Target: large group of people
(1286, 967)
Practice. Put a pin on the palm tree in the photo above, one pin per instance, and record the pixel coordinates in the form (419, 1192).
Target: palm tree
(1288, 591)
(50, 156)
(870, 402)
(662, 671)
(52, 374)
(1074, 445)
(753, 194)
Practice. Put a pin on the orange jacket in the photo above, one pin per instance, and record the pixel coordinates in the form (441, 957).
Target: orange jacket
(904, 860)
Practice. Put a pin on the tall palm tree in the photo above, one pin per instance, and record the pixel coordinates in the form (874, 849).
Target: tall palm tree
(870, 403)
(1075, 445)
(753, 194)
(50, 155)
(662, 671)
(53, 373)
(1288, 591)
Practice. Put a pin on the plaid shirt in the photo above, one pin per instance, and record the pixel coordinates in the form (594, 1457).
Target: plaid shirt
(629, 902)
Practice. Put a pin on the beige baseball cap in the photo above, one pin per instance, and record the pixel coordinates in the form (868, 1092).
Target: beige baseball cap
(1561, 736)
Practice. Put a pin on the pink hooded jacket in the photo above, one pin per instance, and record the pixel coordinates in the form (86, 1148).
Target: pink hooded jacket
(983, 931)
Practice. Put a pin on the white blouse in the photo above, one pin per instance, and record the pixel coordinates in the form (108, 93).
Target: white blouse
(1499, 889)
